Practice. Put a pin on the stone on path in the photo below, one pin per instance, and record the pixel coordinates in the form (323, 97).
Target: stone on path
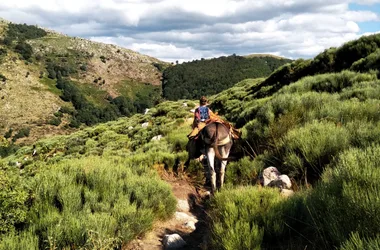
(190, 225)
(173, 241)
(181, 216)
(183, 206)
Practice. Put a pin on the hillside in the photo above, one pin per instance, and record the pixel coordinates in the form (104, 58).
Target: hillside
(316, 121)
(32, 59)
(207, 77)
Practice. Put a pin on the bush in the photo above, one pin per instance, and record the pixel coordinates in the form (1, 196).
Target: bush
(8, 134)
(23, 240)
(244, 172)
(356, 243)
(25, 50)
(23, 132)
(238, 217)
(349, 191)
(93, 202)
(83, 67)
(316, 144)
(3, 78)
(55, 121)
(13, 199)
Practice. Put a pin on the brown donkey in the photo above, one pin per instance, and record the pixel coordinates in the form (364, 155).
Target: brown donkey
(215, 142)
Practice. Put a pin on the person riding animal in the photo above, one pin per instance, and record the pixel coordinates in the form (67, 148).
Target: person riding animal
(212, 137)
(202, 115)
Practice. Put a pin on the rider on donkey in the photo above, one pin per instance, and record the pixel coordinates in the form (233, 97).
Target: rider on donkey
(202, 115)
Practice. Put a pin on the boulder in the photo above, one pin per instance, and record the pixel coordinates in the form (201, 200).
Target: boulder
(282, 182)
(145, 124)
(173, 241)
(269, 174)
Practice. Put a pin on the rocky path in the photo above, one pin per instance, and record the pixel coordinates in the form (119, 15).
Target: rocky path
(188, 222)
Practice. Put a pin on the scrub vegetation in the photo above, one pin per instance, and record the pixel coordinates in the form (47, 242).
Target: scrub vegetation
(318, 121)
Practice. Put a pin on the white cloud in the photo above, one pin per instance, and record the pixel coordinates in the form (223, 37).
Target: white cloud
(191, 29)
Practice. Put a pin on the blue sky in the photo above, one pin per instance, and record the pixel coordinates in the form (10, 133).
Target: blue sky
(372, 26)
(185, 30)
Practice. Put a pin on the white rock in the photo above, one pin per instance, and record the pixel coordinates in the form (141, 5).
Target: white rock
(282, 182)
(184, 104)
(173, 241)
(130, 127)
(181, 216)
(268, 175)
(190, 225)
(146, 111)
(156, 138)
(183, 206)
(145, 124)
(192, 110)
(286, 183)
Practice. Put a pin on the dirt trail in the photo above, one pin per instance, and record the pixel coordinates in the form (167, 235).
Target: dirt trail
(195, 239)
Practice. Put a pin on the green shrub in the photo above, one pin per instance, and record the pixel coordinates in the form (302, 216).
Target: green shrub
(8, 134)
(23, 132)
(357, 243)
(96, 201)
(21, 241)
(55, 121)
(13, 199)
(349, 192)
(316, 144)
(238, 217)
(244, 171)
(178, 138)
(25, 50)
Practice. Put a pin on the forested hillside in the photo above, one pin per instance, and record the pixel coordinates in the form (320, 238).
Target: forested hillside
(208, 77)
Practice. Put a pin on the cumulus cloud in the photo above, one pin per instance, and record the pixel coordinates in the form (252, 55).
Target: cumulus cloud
(185, 30)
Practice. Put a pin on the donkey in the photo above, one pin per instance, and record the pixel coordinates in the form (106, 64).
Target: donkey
(215, 142)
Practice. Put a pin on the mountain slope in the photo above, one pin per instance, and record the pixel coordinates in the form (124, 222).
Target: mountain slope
(32, 59)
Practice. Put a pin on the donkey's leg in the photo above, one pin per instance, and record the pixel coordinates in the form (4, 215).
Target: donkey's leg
(211, 161)
(224, 152)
